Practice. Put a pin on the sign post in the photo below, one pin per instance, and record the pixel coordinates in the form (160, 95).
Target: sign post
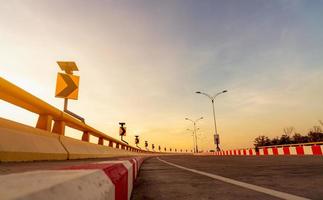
(137, 141)
(146, 145)
(67, 85)
(122, 131)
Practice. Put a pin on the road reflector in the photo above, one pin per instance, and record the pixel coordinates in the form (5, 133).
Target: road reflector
(67, 86)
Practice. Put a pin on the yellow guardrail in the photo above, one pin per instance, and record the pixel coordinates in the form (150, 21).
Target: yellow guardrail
(48, 113)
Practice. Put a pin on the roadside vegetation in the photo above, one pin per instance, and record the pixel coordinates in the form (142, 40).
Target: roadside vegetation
(291, 136)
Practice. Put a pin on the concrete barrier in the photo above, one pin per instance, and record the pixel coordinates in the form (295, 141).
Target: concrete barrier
(110, 180)
(20, 142)
(79, 150)
(23, 143)
(300, 150)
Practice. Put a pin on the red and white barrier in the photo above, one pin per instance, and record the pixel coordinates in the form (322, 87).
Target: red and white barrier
(315, 149)
(111, 180)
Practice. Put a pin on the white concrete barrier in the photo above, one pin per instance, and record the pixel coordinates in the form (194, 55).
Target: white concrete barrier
(109, 180)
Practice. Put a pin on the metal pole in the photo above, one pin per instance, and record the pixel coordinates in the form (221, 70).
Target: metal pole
(193, 142)
(192, 132)
(65, 104)
(197, 150)
(71, 113)
(215, 128)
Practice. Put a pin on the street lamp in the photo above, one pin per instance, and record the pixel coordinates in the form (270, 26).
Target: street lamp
(216, 136)
(194, 130)
(193, 136)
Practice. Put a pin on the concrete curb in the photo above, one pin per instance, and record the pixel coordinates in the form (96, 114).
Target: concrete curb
(20, 142)
(112, 180)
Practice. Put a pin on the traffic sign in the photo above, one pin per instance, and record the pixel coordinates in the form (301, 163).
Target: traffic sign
(68, 66)
(67, 86)
(136, 139)
(122, 129)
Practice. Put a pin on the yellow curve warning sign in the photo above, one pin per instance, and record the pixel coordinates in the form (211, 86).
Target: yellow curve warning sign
(67, 86)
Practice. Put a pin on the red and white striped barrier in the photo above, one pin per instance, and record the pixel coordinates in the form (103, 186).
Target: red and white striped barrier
(316, 149)
(111, 180)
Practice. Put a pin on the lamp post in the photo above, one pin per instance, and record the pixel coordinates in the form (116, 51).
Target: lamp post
(212, 98)
(193, 136)
(194, 130)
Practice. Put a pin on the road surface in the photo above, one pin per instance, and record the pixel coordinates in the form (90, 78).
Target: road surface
(230, 177)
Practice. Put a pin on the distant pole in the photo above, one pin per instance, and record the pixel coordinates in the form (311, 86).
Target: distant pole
(194, 129)
(212, 98)
(193, 137)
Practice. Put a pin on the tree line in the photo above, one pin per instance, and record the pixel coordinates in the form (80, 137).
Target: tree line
(290, 136)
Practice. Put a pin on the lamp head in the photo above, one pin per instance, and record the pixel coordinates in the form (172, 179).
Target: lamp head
(198, 92)
(224, 91)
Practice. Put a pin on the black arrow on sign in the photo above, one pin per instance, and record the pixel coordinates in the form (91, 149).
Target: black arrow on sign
(71, 86)
(123, 131)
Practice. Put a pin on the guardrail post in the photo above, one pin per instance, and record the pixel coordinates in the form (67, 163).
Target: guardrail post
(59, 127)
(44, 122)
(100, 142)
(117, 145)
(110, 144)
(86, 136)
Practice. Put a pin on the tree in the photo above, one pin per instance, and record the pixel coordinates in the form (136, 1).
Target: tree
(316, 129)
(285, 139)
(298, 138)
(261, 141)
(315, 134)
(275, 141)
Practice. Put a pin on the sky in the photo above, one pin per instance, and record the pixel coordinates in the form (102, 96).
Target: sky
(141, 62)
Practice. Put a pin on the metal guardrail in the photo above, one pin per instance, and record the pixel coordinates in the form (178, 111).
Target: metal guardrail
(48, 113)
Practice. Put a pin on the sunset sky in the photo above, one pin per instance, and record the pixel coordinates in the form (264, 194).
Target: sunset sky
(141, 62)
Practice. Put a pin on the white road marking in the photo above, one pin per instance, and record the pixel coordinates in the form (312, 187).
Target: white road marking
(271, 192)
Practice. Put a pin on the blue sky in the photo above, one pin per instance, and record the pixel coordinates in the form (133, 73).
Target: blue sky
(142, 61)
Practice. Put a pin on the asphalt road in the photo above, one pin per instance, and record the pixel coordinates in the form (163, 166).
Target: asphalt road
(301, 176)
